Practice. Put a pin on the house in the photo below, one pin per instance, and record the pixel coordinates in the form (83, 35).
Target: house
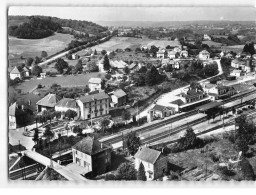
(236, 63)
(93, 105)
(43, 75)
(25, 71)
(67, 104)
(218, 91)
(154, 162)
(92, 155)
(184, 53)
(75, 56)
(204, 55)
(15, 73)
(176, 65)
(236, 73)
(48, 102)
(177, 103)
(118, 64)
(161, 54)
(193, 95)
(118, 98)
(133, 67)
(12, 116)
(177, 49)
(101, 66)
(95, 84)
(207, 37)
(159, 111)
(172, 54)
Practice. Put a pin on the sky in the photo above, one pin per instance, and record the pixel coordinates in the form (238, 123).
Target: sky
(95, 14)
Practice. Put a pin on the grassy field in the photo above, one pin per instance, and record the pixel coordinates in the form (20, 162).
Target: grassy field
(212, 43)
(130, 42)
(34, 47)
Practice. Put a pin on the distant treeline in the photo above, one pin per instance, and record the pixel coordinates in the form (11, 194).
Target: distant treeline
(35, 27)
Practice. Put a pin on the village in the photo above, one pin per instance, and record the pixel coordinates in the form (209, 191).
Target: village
(94, 113)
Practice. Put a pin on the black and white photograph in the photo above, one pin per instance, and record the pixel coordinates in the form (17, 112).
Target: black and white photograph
(131, 93)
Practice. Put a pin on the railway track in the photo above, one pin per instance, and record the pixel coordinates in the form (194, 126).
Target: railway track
(119, 136)
(24, 172)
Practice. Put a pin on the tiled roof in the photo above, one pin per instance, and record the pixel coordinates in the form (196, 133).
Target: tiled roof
(89, 145)
(161, 108)
(49, 101)
(204, 52)
(209, 85)
(119, 93)
(12, 109)
(93, 97)
(25, 69)
(67, 103)
(95, 80)
(131, 66)
(147, 155)
(15, 71)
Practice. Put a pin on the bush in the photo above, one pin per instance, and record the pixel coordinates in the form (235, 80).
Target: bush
(110, 177)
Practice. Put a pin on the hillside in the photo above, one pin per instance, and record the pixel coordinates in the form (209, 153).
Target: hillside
(33, 26)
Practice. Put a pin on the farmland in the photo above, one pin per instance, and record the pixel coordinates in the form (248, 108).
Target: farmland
(212, 43)
(130, 42)
(32, 48)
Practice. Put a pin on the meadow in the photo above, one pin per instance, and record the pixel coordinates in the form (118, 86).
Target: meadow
(34, 47)
(131, 42)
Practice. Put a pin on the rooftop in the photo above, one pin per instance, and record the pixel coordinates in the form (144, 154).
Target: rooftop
(147, 155)
(15, 70)
(119, 93)
(95, 80)
(209, 106)
(12, 109)
(94, 97)
(49, 101)
(90, 145)
(67, 102)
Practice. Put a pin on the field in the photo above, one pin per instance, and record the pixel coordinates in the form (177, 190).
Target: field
(212, 43)
(20, 92)
(34, 47)
(130, 42)
(235, 48)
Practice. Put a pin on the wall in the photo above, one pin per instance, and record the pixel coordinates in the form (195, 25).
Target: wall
(83, 158)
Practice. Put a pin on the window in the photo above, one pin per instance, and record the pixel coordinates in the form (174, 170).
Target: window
(88, 116)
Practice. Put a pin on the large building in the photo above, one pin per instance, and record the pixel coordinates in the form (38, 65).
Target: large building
(92, 155)
(154, 162)
(204, 55)
(94, 105)
(15, 73)
(67, 104)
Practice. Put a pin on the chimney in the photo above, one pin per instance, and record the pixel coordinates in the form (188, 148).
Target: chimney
(22, 107)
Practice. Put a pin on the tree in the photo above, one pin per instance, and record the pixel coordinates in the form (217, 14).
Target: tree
(126, 171)
(70, 114)
(126, 70)
(152, 76)
(141, 80)
(249, 47)
(92, 67)
(188, 141)
(36, 70)
(106, 64)
(103, 52)
(87, 89)
(37, 60)
(44, 54)
(36, 136)
(79, 66)
(105, 123)
(61, 65)
(48, 134)
(125, 78)
(246, 170)
(196, 86)
(126, 115)
(29, 61)
(241, 145)
(141, 175)
(95, 52)
(132, 142)
(108, 76)
(211, 70)
(78, 130)
(143, 69)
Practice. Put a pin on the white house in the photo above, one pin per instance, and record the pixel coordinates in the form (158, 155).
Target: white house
(207, 37)
(75, 56)
(172, 54)
(12, 116)
(236, 73)
(160, 53)
(95, 84)
(177, 49)
(25, 71)
(204, 55)
(94, 105)
(15, 73)
(48, 102)
(184, 53)
(154, 162)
